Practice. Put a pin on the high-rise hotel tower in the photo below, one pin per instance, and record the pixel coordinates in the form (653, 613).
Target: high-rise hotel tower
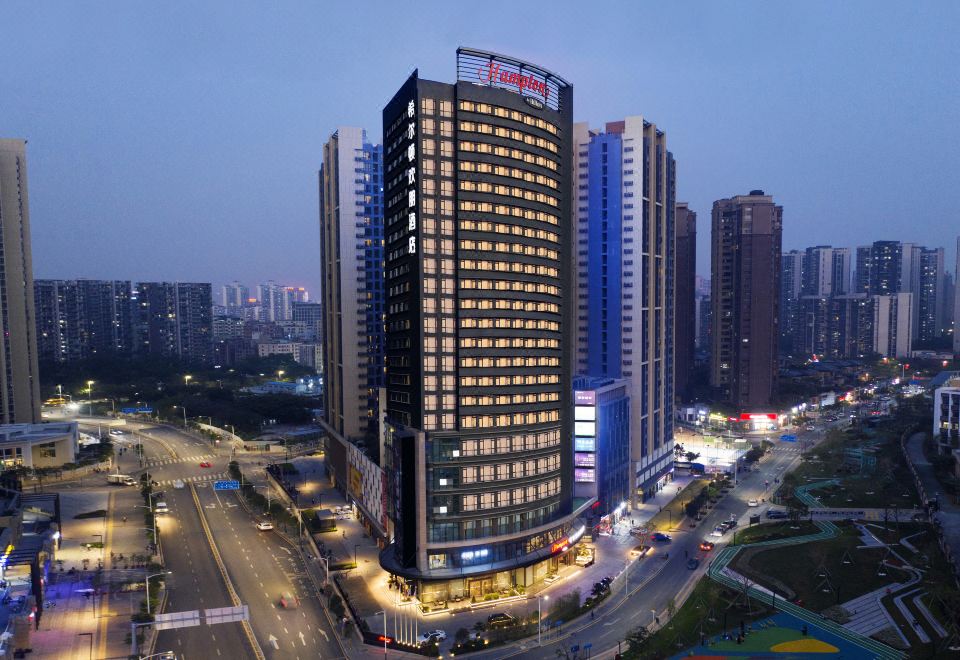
(478, 353)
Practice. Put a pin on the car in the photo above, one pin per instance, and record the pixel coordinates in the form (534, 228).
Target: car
(753, 502)
(607, 581)
(432, 637)
(660, 536)
(115, 432)
(811, 427)
(178, 484)
(500, 619)
(693, 564)
(717, 531)
(205, 464)
(288, 601)
(264, 526)
(706, 546)
(161, 507)
(773, 514)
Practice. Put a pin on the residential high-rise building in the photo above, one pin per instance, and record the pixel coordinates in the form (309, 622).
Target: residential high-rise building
(685, 294)
(624, 247)
(928, 295)
(791, 289)
(841, 265)
(704, 322)
(746, 240)
(19, 376)
(351, 250)
(234, 297)
(82, 319)
(893, 325)
(956, 302)
(174, 319)
(478, 396)
(861, 278)
(886, 259)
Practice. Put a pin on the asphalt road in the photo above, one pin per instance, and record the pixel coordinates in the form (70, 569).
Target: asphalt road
(262, 567)
(604, 633)
(195, 581)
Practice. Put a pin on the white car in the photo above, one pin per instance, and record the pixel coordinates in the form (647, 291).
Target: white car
(753, 503)
(717, 531)
(432, 637)
(264, 526)
(178, 484)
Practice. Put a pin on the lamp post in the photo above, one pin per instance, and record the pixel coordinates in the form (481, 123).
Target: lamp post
(90, 395)
(540, 617)
(187, 379)
(147, 583)
(384, 613)
(184, 409)
(90, 635)
(280, 373)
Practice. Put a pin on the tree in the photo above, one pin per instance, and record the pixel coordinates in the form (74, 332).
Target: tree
(796, 510)
(692, 456)
(461, 636)
(637, 640)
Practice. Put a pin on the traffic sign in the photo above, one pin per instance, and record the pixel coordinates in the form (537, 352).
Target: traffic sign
(145, 410)
(226, 485)
(128, 411)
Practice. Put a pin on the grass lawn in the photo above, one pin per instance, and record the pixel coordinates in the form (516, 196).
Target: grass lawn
(702, 613)
(797, 567)
(774, 530)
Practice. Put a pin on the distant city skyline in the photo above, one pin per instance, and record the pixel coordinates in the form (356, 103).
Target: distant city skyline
(196, 139)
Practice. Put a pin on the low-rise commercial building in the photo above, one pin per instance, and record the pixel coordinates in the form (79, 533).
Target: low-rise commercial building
(946, 416)
(49, 444)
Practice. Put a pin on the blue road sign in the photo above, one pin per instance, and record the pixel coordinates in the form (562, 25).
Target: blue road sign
(226, 485)
(128, 411)
(144, 410)
(788, 438)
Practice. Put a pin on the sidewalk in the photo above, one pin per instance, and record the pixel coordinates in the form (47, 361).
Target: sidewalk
(929, 487)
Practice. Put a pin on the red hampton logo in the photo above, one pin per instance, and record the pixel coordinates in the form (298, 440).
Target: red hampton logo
(492, 73)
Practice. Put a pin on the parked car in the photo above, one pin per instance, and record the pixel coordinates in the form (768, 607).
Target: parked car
(432, 637)
(264, 526)
(693, 564)
(660, 536)
(500, 619)
(706, 546)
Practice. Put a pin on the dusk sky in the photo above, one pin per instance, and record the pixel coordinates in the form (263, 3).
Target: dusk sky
(181, 141)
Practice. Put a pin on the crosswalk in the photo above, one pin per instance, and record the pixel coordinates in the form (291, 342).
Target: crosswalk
(788, 450)
(183, 459)
(198, 479)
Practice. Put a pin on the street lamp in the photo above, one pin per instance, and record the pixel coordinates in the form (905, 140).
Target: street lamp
(280, 373)
(147, 583)
(90, 395)
(187, 379)
(184, 408)
(540, 617)
(384, 613)
(90, 635)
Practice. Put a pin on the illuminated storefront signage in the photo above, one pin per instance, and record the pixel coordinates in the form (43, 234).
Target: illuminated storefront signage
(753, 417)
(584, 459)
(534, 102)
(585, 398)
(560, 546)
(584, 475)
(539, 88)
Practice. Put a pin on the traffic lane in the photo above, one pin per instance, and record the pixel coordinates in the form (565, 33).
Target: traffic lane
(195, 583)
(262, 568)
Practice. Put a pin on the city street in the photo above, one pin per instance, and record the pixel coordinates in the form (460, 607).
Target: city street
(263, 567)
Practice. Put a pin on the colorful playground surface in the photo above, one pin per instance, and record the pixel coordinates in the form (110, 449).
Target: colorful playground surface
(777, 637)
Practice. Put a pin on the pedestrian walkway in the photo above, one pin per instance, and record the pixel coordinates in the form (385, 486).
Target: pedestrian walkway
(949, 511)
(199, 458)
(867, 615)
(199, 479)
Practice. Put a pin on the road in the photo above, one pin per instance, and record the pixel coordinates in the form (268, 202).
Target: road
(262, 567)
(604, 633)
(195, 581)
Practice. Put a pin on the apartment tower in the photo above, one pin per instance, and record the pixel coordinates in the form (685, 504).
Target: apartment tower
(745, 262)
(625, 268)
(19, 377)
(351, 247)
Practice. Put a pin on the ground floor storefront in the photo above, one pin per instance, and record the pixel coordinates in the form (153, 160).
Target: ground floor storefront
(511, 583)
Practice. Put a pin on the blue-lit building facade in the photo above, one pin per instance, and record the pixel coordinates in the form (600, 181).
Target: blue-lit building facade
(624, 260)
(602, 405)
(353, 296)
